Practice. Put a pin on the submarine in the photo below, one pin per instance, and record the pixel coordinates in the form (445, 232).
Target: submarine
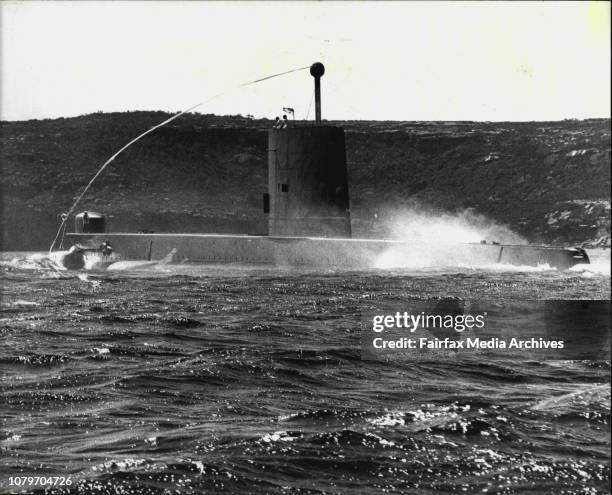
(309, 223)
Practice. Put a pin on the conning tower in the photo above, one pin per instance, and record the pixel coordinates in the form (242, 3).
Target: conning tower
(307, 178)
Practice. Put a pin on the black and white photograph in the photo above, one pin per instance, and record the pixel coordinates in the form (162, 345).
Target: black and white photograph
(305, 247)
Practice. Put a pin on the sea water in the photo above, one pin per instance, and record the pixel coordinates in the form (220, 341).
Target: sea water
(237, 379)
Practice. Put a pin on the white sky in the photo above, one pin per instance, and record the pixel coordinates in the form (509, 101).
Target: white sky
(400, 61)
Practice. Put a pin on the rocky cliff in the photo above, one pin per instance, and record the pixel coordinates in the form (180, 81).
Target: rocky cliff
(547, 181)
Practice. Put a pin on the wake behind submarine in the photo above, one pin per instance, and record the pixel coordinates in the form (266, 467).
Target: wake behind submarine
(309, 221)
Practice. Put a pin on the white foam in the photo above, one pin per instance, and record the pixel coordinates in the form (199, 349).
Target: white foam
(389, 419)
(39, 261)
(278, 436)
(506, 267)
(593, 270)
(21, 302)
(132, 265)
(442, 258)
(123, 465)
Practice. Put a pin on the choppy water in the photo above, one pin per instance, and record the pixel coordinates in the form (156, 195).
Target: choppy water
(249, 380)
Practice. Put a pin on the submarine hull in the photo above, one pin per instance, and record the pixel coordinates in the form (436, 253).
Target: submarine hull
(323, 252)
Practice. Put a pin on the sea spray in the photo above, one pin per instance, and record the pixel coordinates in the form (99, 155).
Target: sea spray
(431, 235)
(428, 226)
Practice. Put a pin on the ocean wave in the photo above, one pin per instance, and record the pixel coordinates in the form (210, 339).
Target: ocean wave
(157, 319)
(323, 415)
(583, 401)
(42, 360)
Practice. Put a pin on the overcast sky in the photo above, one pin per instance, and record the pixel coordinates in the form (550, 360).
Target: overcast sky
(400, 61)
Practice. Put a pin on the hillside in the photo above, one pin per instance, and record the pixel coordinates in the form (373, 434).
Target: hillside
(548, 181)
